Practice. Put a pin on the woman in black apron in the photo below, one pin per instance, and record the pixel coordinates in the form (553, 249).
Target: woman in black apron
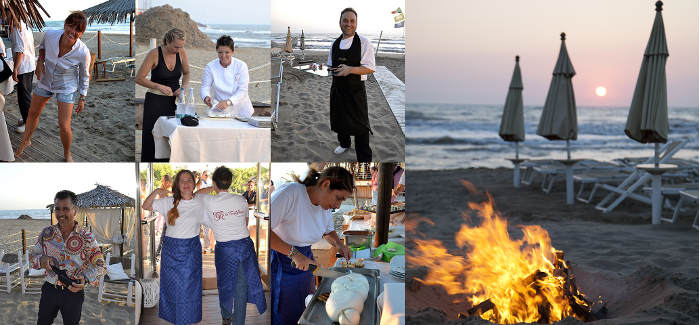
(166, 64)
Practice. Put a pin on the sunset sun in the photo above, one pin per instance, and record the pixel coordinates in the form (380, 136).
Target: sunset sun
(601, 91)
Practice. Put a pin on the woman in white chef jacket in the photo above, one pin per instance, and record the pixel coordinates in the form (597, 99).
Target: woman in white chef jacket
(301, 216)
(225, 81)
(181, 261)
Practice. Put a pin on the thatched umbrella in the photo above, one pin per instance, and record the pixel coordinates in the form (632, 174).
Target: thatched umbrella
(114, 11)
(26, 11)
(103, 197)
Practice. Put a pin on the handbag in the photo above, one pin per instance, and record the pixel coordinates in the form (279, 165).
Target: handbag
(6, 71)
(189, 121)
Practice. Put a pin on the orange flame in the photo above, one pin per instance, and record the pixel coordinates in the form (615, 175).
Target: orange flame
(520, 277)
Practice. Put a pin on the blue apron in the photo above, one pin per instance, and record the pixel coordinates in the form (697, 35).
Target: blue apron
(227, 257)
(181, 281)
(290, 286)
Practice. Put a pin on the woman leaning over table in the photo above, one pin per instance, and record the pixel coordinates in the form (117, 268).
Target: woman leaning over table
(181, 260)
(62, 68)
(226, 79)
(166, 63)
(301, 216)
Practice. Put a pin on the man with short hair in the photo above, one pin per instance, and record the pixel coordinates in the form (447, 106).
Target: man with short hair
(237, 272)
(22, 41)
(73, 252)
(352, 59)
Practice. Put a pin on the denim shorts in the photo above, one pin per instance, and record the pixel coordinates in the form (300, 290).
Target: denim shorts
(63, 98)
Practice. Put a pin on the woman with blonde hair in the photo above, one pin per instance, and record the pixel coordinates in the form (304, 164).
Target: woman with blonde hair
(166, 63)
(181, 260)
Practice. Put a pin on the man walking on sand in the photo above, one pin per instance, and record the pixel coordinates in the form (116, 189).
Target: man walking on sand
(352, 59)
(72, 258)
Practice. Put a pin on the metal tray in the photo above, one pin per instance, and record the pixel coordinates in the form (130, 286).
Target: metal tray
(315, 313)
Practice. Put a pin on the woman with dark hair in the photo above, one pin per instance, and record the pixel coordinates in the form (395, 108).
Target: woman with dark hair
(181, 260)
(301, 216)
(225, 81)
(62, 68)
(166, 63)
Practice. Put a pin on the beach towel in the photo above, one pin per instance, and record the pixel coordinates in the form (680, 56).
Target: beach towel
(228, 256)
(290, 286)
(181, 281)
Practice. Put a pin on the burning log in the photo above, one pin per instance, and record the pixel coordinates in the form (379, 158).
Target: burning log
(481, 308)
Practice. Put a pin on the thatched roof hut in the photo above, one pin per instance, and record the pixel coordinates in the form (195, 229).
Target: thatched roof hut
(26, 11)
(114, 11)
(108, 213)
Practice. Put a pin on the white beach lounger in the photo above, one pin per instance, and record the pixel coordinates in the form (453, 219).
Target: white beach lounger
(688, 195)
(112, 294)
(552, 171)
(632, 183)
(31, 279)
(10, 266)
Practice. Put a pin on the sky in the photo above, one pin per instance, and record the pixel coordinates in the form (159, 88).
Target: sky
(464, 51)
(59, 10)
(34, 185)
(220, 11)
(280, 171)
(322, 16)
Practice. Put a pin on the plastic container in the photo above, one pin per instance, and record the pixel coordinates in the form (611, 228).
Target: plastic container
(180, 110)
(190, 108)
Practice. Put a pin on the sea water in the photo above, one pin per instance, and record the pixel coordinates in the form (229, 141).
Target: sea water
(449, 136)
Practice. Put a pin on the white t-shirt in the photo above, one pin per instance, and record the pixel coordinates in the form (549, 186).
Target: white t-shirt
(367, 59)
(225, 213)
(295, 219)
(187, 224)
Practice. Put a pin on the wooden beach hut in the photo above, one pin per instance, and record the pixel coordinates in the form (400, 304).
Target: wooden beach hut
(113, 11)
(108, 213)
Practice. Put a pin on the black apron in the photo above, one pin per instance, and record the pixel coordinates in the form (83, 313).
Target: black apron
(348, 97)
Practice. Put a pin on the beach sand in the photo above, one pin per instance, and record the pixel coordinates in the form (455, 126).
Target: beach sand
(647, 274)
(106, 121)
(304, 133)
(22, 309)
(255, 58)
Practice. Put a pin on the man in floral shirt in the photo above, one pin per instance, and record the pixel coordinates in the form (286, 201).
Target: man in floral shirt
(72, 248)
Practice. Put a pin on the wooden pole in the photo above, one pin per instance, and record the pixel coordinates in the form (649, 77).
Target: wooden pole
(24, 241)
(131, 35)
(99, 44)
(385, 185)
(139, 225)
(121, 231)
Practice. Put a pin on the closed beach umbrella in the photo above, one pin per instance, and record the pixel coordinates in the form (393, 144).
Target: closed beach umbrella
(648, 116)
(302, 46)
(512, 125)
(558, 120)
(647, 121)
(288, 41)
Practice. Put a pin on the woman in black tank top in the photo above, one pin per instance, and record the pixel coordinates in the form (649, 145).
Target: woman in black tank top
(164, 86)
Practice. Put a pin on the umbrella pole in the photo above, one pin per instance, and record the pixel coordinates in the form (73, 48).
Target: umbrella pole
(516, 168)
(656, 155)
(131, 35)
(568, 150)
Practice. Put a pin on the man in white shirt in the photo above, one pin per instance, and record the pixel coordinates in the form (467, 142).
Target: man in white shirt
(237, 271)
(225, 81)
(352, 59)
(24, 65)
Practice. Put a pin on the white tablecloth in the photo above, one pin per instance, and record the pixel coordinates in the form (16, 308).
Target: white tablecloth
(213, 140)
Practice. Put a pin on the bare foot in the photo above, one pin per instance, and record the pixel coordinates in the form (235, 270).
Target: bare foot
(22, 146)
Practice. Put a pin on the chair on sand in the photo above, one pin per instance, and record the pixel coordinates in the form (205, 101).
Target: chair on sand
(117, 278)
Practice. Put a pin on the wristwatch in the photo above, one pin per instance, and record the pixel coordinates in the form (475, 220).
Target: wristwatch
(228, 102)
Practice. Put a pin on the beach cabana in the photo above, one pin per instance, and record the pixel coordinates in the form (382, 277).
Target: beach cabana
(647, 121)
(109, 214)
(114, 11)
(558, 120)
(512, 122)
(26, 11)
